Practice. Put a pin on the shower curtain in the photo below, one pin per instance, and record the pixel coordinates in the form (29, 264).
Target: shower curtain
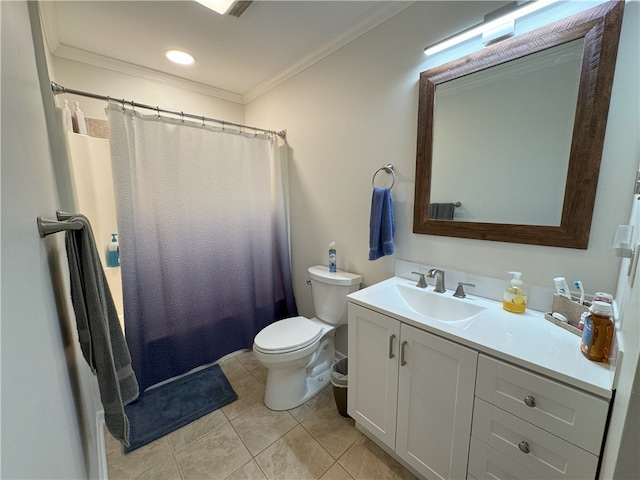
(204, 244)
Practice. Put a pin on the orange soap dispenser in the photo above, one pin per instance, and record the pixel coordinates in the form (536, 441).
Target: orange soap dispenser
(515, 294)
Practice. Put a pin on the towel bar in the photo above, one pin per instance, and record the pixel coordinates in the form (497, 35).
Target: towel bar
(389, 169)
(47, 227)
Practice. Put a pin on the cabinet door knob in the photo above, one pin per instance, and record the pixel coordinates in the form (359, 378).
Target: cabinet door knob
(391, 339)
(402, 360)
(524, 447)
(530, 401)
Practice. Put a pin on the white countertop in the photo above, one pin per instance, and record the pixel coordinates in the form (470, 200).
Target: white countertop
(526, 340)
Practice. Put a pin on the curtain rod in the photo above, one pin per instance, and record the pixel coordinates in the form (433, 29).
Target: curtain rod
(58, 89)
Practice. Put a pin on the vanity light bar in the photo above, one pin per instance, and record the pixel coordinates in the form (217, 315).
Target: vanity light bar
(489, 23)
(218, 6)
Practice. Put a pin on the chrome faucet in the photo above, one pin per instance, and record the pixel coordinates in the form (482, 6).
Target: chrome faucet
(439, 276)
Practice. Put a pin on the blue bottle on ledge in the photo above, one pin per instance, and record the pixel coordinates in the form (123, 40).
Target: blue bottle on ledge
(113, 252)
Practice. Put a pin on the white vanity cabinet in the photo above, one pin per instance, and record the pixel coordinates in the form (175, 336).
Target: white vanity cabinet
(502, 396)
(411, 390)
(528, 426)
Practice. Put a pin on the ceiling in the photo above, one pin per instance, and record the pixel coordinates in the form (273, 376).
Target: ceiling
(237, 58)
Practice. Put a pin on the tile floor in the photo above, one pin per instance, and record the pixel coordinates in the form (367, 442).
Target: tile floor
(246, 440)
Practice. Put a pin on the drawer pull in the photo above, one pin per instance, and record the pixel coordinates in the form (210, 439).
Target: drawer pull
(402, 360)
(524, 447)
(391, 338)
(530, 401)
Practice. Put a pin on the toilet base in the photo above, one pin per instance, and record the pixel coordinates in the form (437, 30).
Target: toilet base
(278, 401)
(290, 387)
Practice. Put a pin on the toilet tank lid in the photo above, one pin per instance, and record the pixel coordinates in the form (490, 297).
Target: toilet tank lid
(321, 273)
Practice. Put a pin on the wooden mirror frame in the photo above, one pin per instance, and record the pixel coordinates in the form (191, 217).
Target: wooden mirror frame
(600, 28)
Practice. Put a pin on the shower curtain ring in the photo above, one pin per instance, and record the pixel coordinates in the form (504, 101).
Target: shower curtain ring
(203, 121)
(123, 102)
(182, 117)
(158, 110)
(133, 107)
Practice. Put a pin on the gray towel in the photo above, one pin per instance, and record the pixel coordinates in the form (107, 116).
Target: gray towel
(441, 211)
(99, 332)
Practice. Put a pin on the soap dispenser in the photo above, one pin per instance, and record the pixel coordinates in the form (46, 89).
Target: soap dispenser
(113, 252)
(79, 123)
(515, 294)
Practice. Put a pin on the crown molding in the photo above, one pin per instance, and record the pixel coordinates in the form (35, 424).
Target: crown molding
(378, 14)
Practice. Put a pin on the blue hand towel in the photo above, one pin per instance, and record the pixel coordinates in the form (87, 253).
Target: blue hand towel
(382, 226)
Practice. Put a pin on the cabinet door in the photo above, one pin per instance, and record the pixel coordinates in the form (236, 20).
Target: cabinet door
(373, 372)
(435, 403)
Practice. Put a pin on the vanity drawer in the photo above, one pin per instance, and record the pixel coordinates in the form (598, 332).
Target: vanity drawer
(571, 414)
(536, 450)
(486, 463)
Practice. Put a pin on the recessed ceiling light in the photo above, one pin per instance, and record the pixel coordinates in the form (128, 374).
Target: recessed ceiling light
(220, 6)
(180, 57)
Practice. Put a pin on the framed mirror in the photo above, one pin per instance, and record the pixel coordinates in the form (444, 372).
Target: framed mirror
(510, 138)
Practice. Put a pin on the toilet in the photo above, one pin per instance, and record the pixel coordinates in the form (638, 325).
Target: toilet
(298, 351)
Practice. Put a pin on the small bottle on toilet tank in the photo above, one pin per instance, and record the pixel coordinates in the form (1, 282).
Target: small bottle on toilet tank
(332, 257)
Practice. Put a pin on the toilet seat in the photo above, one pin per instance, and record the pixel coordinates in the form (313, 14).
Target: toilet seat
(287, 335)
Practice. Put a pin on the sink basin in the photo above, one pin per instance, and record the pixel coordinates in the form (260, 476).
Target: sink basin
(436, 305)
(426, 303)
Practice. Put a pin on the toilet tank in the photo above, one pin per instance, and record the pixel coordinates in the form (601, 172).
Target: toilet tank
(329, 291)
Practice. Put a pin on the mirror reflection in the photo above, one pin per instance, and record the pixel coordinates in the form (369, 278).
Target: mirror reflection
(510, 164)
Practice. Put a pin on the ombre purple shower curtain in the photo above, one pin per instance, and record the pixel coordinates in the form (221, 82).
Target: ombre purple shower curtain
(204, 242)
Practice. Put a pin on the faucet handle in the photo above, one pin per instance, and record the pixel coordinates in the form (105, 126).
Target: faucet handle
(422, 283)
(460, 290)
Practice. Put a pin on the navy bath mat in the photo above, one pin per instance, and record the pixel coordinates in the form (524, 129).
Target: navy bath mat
(166, 408)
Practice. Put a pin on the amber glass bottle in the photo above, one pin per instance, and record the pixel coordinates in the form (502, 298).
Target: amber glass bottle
(597, 335)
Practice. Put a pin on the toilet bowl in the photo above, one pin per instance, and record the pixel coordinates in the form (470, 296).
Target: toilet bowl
(298, 351)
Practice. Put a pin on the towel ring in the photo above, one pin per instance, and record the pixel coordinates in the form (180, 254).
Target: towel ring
(389, 169)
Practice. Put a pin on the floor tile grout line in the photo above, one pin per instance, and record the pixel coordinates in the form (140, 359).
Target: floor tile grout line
(178, 450)
(254, 457)
(238, 433)
(175, 459)
(299, 422)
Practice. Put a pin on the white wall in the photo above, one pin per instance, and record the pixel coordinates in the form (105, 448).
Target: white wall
(48, 416)
(356, 110)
